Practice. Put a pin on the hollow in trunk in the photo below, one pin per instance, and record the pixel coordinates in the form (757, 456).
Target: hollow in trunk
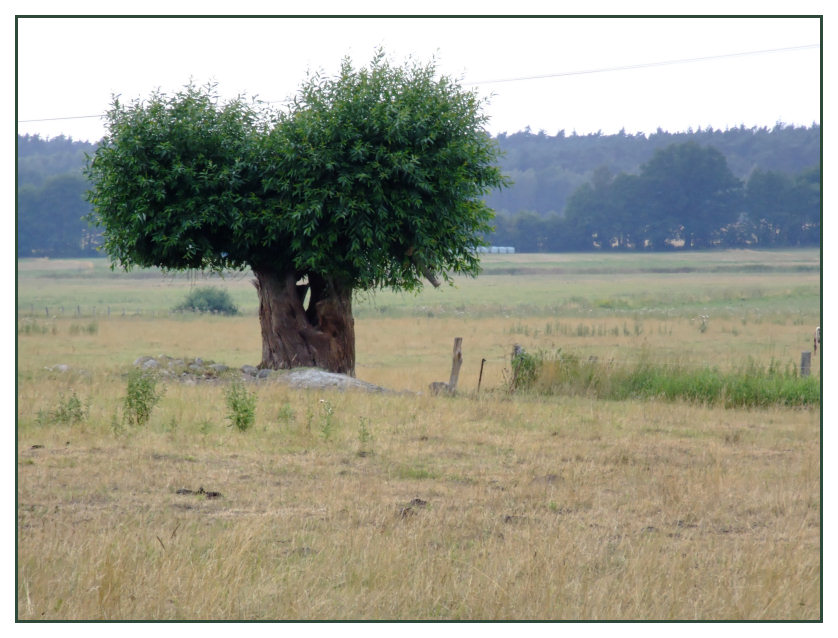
(305, 324)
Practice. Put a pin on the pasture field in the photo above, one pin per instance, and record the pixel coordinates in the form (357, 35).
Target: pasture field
(489, 505)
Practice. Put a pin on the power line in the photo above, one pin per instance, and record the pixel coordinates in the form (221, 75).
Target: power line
(627, 67)
(52, 119)
(645, 65)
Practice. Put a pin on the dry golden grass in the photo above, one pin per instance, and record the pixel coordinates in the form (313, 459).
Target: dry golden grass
(405, 506)
(561, 509)
(533, 508)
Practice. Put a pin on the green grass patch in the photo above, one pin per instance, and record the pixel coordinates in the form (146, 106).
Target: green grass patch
(722, 283)
(415, 473)
(750, 385)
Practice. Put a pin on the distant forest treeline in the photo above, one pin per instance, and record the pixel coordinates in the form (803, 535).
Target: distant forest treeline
(754, 187)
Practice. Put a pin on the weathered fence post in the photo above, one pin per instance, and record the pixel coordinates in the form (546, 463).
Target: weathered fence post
(456, 363)
(480, 378)
(805, 364)
(438, 387)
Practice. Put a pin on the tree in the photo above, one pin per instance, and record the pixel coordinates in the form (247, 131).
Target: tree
(690, 193)
(371, 179)
(807, 196)
(603, 213)
(768, 199)
(51, 219)
(785, 209)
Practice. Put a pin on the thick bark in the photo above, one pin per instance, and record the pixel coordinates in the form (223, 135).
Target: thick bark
(320, 334)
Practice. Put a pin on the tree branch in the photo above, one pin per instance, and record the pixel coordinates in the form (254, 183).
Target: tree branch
(421, 267)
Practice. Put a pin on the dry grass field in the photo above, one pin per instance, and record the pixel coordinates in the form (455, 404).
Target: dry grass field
(490, 505)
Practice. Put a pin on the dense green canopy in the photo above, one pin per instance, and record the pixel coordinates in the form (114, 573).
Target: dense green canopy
(373, 178)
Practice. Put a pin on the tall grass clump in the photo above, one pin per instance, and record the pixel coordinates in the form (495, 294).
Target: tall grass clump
(70, 411)
(241, 406)
(141, 396)
(525, 369)
(750, 385)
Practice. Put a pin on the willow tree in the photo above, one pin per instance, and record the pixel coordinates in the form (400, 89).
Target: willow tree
(367, 180)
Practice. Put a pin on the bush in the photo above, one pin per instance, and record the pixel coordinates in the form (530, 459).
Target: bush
(241, 406)
(525, 369)
(69, 411)
(141, 397)
(208, 299)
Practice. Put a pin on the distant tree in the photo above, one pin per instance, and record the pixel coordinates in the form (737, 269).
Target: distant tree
(52, 219)
(581, 215)
(371, 179)
(548, 169)
(606, 213)
(807, 195)
(39, 159)
(684, 192)
(627, 207)
(690, 193)
(589, 212)
(768, 200)
(783, 209)
(529, 233)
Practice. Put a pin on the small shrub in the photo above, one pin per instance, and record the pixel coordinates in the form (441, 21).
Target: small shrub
(327, 423)
(89, 329)
(141, 397)
(241, 406)
(364, 438)
(117, 426)
(525, 369)
(286, 413)
(69, 411)
(171, 426)
(309, 419)
(35, 328)
(208, 299)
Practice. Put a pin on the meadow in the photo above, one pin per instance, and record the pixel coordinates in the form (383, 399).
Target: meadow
(486, 505)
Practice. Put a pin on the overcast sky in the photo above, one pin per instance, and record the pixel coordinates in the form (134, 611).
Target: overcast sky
(602, 74)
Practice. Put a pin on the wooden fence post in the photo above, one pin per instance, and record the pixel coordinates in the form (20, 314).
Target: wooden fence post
(805, 364)
(480, 378)
(449, 388)
(456, 363)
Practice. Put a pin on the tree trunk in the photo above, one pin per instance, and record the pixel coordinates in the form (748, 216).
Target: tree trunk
(320, 333)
